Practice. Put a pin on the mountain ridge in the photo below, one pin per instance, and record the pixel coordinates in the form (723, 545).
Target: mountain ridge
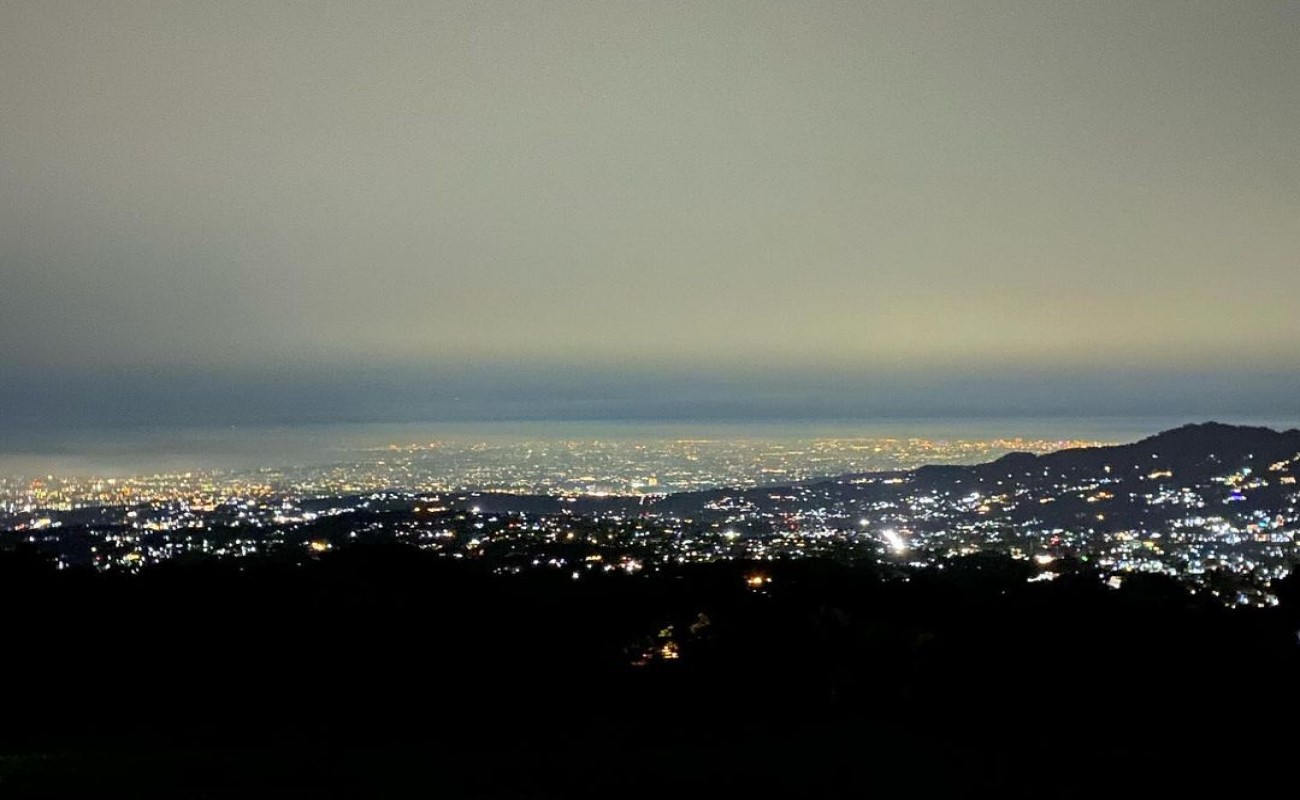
(1199, 442)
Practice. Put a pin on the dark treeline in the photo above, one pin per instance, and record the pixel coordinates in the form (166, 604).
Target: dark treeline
(379, 669)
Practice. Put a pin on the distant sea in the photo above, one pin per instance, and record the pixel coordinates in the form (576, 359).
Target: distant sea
(138, 452)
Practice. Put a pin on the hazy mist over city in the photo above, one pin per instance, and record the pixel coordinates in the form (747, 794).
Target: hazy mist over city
(241, 213)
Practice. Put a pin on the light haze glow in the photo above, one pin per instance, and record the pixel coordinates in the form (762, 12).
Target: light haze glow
(553, 207)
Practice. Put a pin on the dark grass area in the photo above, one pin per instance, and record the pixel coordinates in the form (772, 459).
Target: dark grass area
(378, 671)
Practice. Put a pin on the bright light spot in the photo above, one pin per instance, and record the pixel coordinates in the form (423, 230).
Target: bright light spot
(1044, 559)
(895, 542)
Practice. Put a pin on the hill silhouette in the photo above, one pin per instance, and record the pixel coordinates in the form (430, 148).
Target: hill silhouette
(379, 667)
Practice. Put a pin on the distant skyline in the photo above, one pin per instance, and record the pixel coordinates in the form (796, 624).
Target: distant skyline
(249, 213)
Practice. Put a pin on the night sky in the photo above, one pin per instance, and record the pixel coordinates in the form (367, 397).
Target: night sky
(332, 211)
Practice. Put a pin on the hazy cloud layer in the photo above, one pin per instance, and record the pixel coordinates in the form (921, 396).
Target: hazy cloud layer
(37, 402)
(227, 190)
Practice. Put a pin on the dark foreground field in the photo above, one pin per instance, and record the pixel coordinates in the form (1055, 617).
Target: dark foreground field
(378, 671)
